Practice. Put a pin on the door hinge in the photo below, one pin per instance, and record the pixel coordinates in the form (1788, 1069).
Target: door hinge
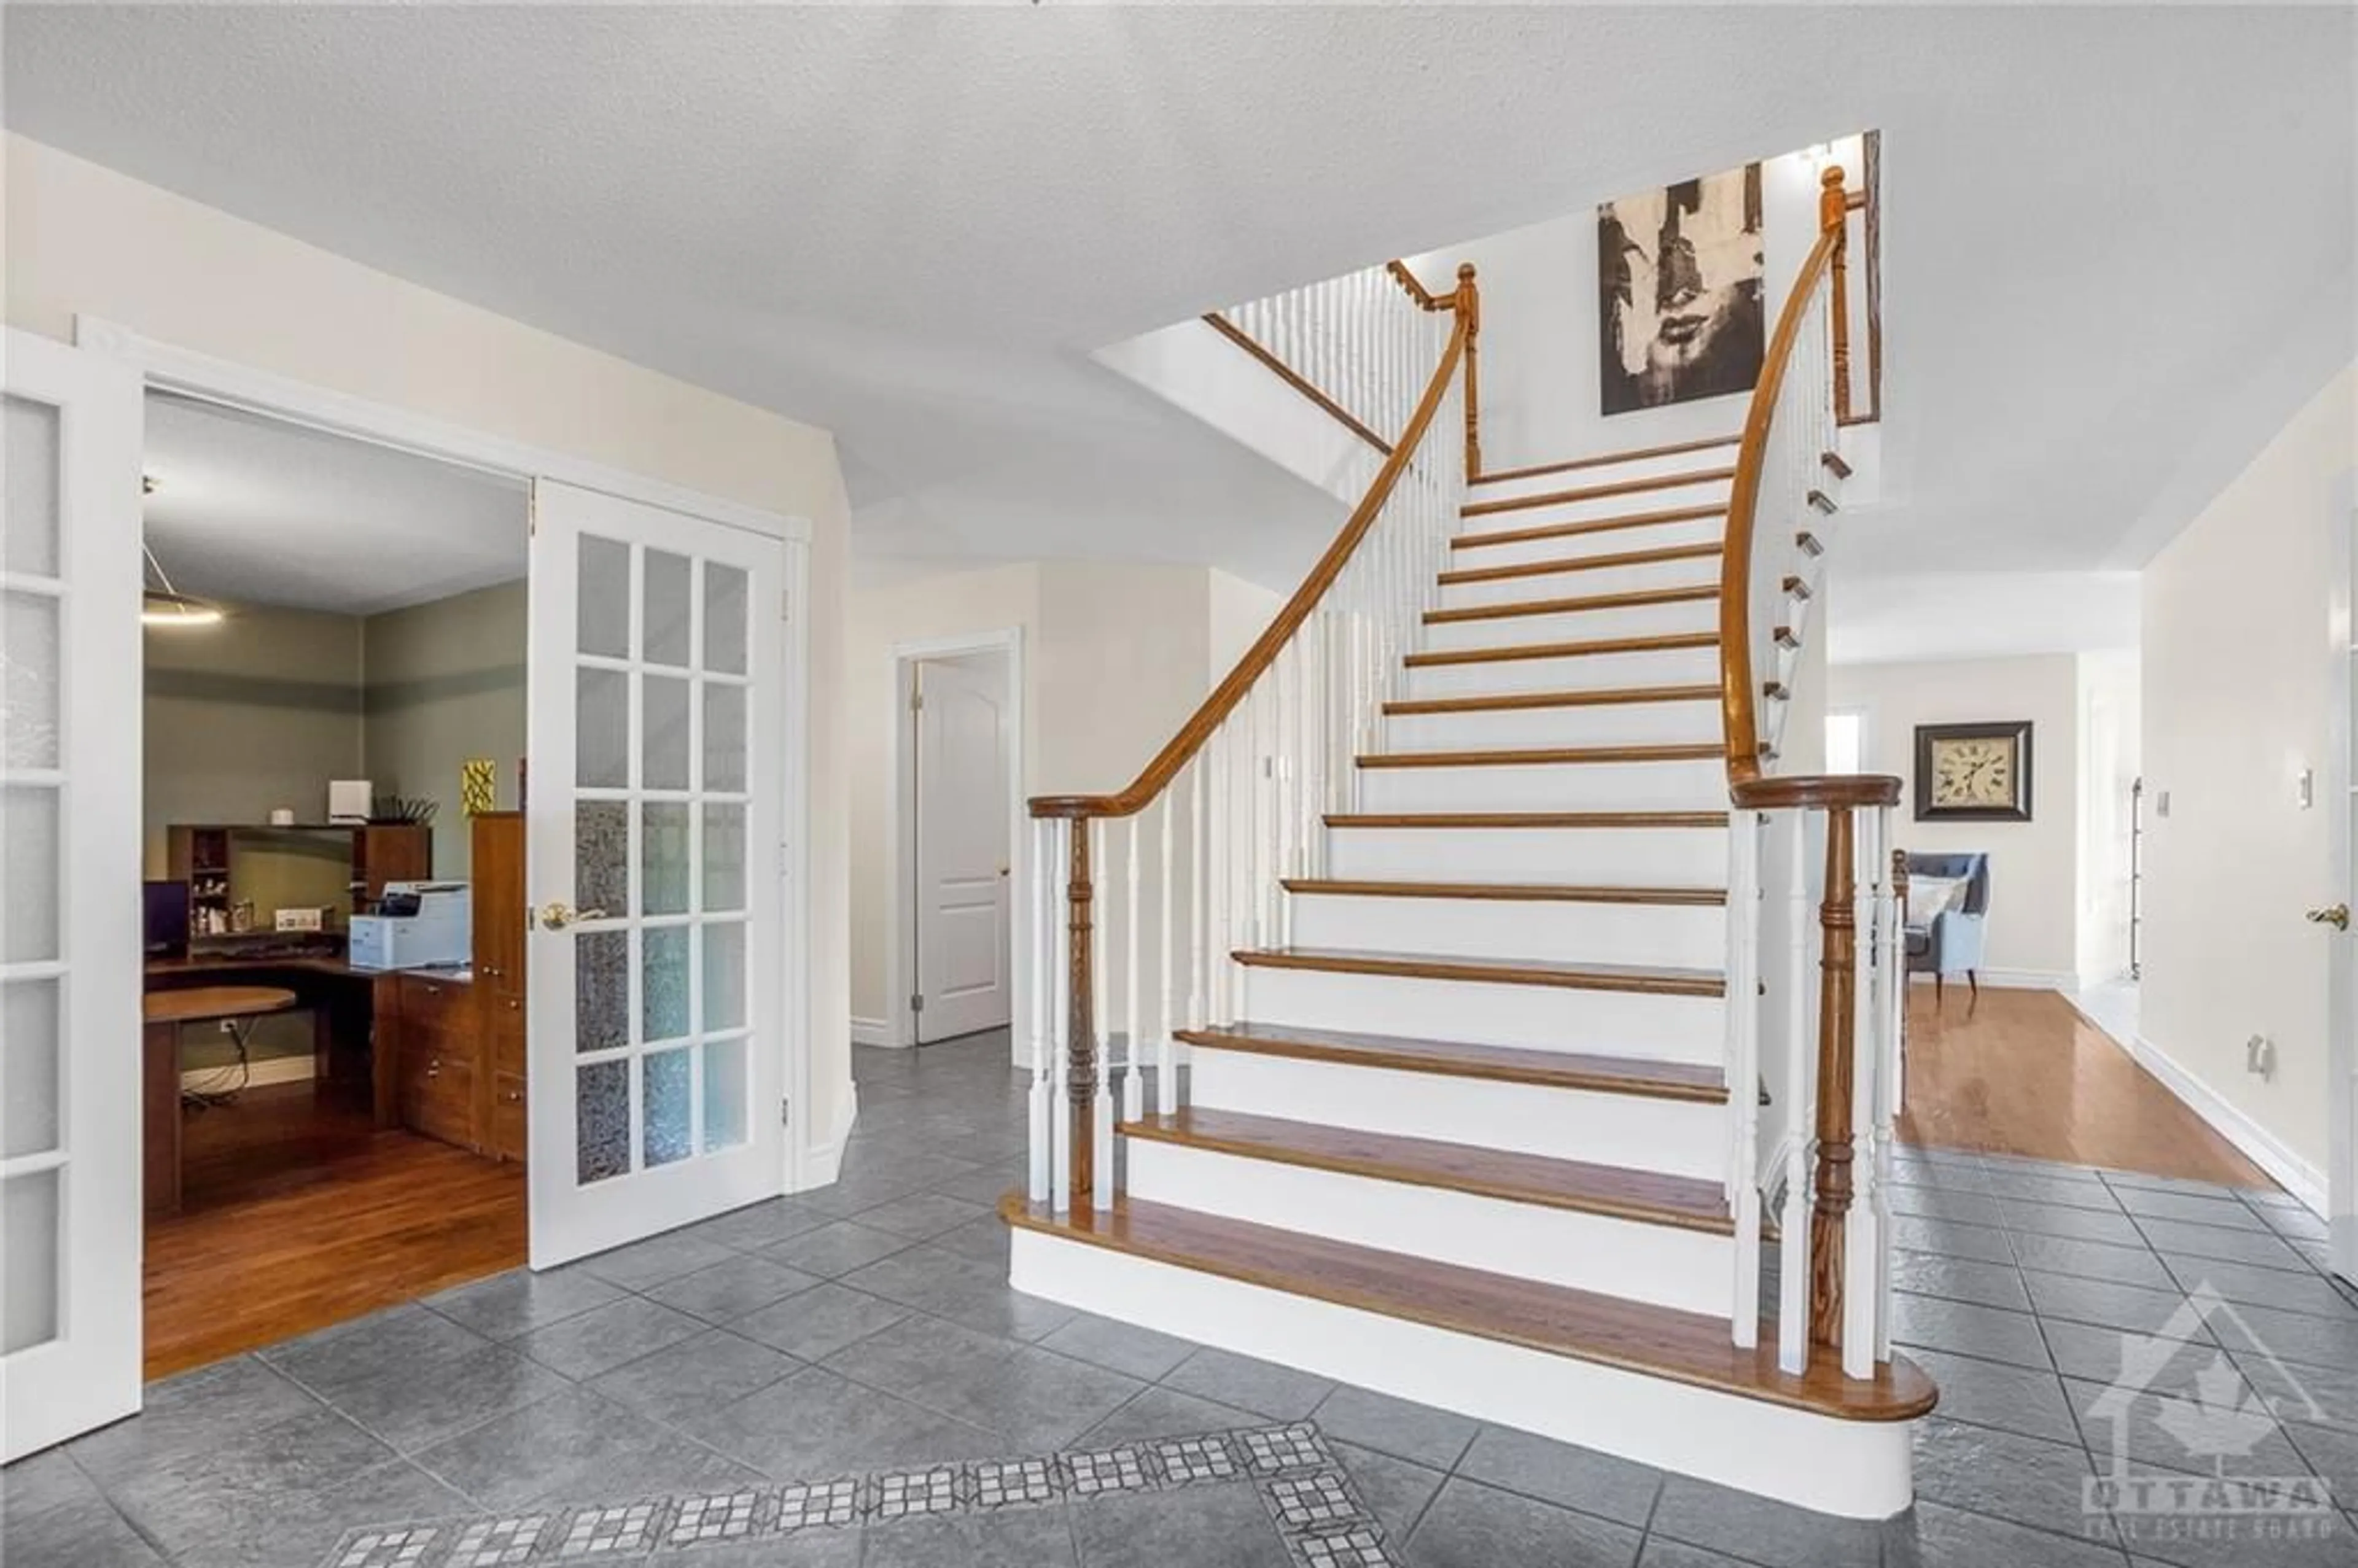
(785, 604)
(917, 700)
(916, 1002)
(785, 1113)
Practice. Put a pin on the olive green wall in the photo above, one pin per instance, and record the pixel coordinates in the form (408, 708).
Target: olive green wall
(444, 683)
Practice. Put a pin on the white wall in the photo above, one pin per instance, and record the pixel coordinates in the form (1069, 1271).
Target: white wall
(2034, 884)
(2110, 744)
(82, 239)
(1116, 658)
(2240, 644)
(1540, 324)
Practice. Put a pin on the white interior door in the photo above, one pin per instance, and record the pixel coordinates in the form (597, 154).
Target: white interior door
(70, 933)
(962, 736)
(660, 704)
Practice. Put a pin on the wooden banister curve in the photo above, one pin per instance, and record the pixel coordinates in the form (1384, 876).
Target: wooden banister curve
(1258, 658)
(1740, 684)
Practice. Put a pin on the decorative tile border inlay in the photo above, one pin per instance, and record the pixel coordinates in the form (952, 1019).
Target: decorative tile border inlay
(1308, 1494)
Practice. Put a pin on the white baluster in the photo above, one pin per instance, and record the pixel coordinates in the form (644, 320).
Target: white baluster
(1743, 1068)
(1285, 675)
(1800, 1061)
(1891, 999)
(1133, 986)
(1041, 1109)
(1101, 1110)
(1220, 971)
(1199, 866)
(1168, 947)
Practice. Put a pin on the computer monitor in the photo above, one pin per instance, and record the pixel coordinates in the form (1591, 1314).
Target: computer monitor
(167, 919)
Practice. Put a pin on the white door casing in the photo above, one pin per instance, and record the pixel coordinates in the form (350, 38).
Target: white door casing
(961, 738)
(663, 733)
(2341, 968)
(69, 922)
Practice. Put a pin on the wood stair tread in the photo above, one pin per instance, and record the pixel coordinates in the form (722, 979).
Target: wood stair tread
(1605, 459)
(1646, 979)
(1584, 562)
(1591, 696)
(1611, 820)
(1684, 593)
(1665, 642)
(1686, 1203)
(1640, 1076)
(1586, 526)
(1680, 480)
(1701, 750)
(1507, 892)
(1653, 1341)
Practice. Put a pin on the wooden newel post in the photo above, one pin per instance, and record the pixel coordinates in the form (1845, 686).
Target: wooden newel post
(1833, 217)
(1469, 311)
(1080, 1022)
(1838, 987)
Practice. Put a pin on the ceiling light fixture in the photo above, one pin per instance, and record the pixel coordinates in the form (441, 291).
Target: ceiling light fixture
(167, 606)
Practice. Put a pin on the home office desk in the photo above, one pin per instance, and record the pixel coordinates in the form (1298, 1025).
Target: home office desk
(332, 989)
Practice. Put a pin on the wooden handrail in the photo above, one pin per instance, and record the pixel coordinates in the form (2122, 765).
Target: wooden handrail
(1739, 709)
(1295, 379)
(1425, 298)
(1257, 659)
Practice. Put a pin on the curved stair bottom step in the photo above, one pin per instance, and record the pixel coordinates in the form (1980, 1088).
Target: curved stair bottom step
(1858, 1465)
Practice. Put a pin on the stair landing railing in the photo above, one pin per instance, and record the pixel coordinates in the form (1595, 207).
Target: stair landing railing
(1193, 849)
(1811, 882)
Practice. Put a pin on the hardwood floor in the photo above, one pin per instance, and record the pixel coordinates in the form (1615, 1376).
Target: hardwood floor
(2025, 1074)
(298, 1213)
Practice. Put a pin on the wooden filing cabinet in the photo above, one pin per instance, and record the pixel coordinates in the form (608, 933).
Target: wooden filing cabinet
(438, 1043)
(460, 1047)
(499, 900)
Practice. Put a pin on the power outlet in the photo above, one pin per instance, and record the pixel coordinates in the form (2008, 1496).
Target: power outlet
(2260, 1056)
(227, 1025)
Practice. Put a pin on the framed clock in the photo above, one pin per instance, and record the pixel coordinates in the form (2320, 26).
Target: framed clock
(1973, 773)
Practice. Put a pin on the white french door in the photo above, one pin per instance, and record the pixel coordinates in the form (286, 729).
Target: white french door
(962, 740)
(70, 933)
(662, 713)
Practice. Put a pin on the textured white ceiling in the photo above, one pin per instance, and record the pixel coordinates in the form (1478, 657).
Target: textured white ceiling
(262, 512)
(2114, 231)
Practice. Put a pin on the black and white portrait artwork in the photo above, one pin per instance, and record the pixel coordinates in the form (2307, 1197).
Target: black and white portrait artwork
(1678, 274)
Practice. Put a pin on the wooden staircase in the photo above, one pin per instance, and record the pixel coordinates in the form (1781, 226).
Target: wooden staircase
(1465, 1123)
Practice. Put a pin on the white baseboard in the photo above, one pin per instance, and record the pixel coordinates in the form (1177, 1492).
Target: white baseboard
(2014, 979)
(823, 1161)
(2263, 1147)
(870, 1032)
(268, 1070)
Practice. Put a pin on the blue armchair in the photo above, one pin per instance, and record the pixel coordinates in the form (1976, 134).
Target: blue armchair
(1955, 939)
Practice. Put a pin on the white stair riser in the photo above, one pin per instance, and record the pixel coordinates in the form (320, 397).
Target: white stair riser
(1691, 1271)
(1578, 672)
(1680, 1138)
(1580, 581)
(1575, 625)
(1711, 530)
(1688, 935)
(1717, 457)
(1518, 729)
(1700, 785)
(1709, 493)
(1483, 1013)
(1858, 1469)
(1693, 857)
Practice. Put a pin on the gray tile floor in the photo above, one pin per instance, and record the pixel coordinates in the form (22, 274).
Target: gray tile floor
(868, 1328)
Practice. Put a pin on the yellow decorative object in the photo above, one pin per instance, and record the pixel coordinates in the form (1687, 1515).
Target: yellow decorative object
(479, 785)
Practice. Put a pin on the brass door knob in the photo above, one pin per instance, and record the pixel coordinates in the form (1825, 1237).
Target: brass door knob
(2337, 915)
(557, 916)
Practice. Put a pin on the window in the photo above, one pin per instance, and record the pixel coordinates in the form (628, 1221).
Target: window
(1846, 741)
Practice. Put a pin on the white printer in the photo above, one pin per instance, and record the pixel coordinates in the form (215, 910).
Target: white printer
(418, 924)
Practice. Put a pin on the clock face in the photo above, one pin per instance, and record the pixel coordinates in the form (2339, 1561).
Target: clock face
(1974, 772)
